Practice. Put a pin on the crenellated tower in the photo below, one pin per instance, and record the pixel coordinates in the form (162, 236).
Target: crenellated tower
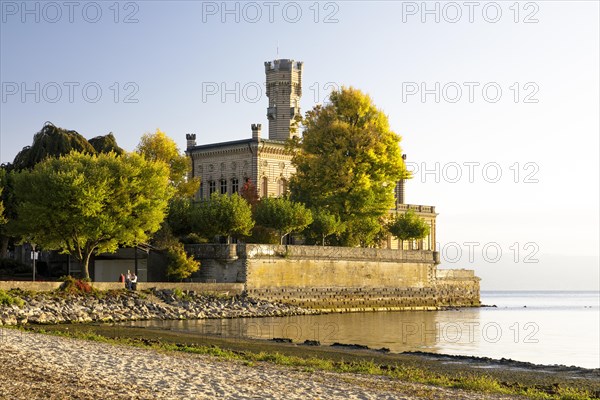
(284, 89)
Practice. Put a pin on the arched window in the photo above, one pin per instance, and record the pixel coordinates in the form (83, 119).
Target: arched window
(212, 187)
(265, 186)
(223, 186)
(235, 186)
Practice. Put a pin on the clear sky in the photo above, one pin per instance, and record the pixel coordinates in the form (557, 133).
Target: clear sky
(498, 100)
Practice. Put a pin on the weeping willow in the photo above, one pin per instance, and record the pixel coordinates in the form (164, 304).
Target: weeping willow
(52, 141)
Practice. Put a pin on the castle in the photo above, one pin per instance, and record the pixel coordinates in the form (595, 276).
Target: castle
(398, 276)
(225, 167)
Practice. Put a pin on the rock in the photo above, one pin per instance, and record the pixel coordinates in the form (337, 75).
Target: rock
(311, 343)
(282, 340)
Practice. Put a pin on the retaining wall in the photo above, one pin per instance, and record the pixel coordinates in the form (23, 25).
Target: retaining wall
(339, 278)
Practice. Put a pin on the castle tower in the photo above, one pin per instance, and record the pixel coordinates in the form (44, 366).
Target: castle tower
(284, 89)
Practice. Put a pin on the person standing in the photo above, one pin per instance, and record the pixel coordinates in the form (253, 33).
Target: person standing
(128, 280)
(134, 281)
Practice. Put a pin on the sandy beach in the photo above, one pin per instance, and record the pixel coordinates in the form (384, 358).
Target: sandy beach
(37, 366)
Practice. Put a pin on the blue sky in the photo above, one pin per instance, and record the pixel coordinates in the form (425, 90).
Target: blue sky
(516, 84)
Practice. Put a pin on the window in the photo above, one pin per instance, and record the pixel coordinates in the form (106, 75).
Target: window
(223, 186)
(212, 187)
(201, 191)
(265, 186)
(282, 186)
(426, 242)
(234, 185)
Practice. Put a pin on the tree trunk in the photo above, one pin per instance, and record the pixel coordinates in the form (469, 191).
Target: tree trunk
(85, 266)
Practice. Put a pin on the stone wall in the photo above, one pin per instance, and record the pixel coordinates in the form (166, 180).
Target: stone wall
(339, 278)
(457, 287)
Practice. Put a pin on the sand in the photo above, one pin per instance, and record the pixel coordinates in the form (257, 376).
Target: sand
(37, 366)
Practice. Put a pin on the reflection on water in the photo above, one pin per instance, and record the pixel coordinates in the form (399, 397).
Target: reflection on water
(552, 328)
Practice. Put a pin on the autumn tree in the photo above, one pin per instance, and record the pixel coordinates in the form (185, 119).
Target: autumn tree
(86, 204)
(409, 226)
(158, 146)
(181, 265)
(249, 193)
(348, 162)
(282, 215)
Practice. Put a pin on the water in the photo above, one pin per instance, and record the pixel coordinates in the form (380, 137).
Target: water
(538, 327)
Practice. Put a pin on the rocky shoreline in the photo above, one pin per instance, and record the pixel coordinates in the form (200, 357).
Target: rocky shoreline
(121, 306)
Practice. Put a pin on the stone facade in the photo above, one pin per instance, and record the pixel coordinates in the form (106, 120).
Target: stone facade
(225, 167)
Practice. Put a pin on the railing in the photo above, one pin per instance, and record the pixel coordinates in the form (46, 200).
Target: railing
(417, 208)
(266, 251)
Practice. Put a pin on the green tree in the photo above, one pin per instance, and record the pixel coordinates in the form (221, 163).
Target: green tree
(348, 162)
(2, 183)
(325, 224)
(409, 226)
(51, 141)
(83, 204)
(106, 144)
(282, 215)
(180, 216)
(181, 265)
(223, 215)
(8, 205)
(158, 146)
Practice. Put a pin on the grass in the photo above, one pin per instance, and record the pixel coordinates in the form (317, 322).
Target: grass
(473, 382)
(7, 299)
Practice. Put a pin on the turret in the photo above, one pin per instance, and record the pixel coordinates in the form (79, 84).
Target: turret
(284, 89)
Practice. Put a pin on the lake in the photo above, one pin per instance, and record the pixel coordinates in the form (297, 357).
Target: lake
(541, 327)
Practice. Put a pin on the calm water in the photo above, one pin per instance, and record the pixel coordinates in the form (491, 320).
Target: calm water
(539, 327)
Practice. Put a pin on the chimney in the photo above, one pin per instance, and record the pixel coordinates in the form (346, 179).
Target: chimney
(400, 196)
(256, 131)
(191, 139)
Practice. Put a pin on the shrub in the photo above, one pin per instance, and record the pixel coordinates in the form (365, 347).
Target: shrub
(6, 299)
(75, 286)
